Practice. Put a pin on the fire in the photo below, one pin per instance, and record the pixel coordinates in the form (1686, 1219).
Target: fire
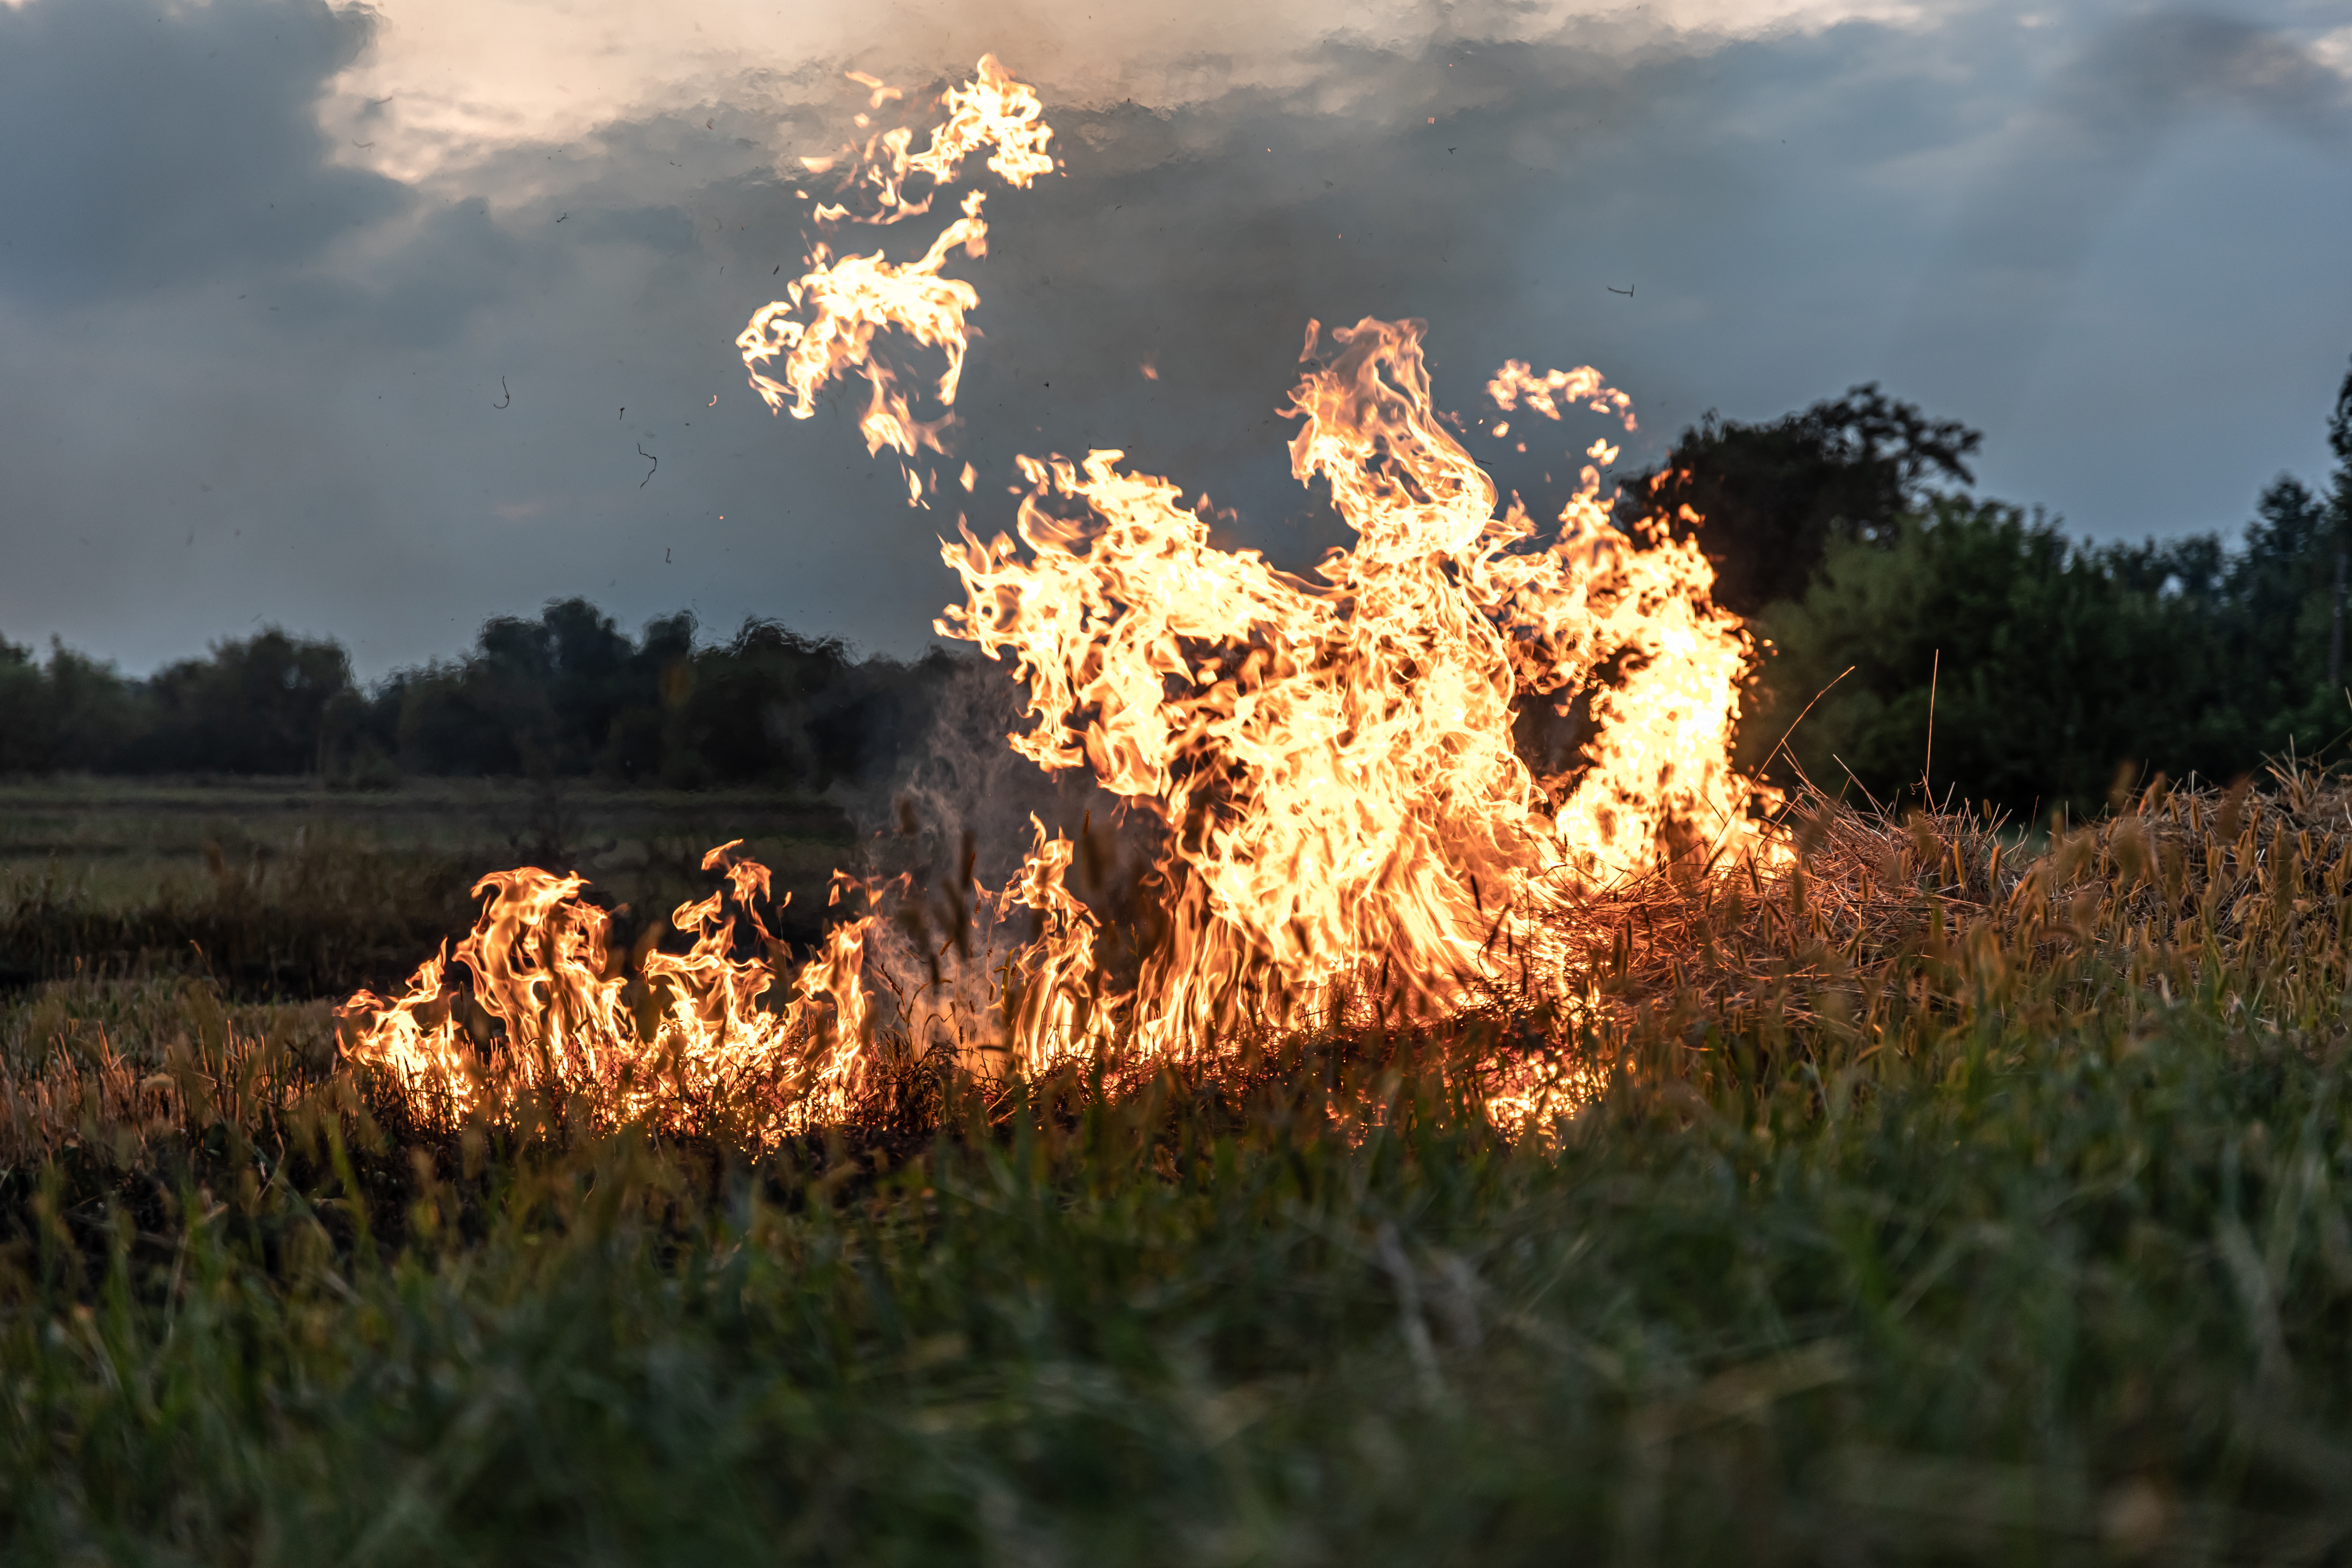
(1345, 823)
(1346, 813)
(573, 1013)
(824, 326)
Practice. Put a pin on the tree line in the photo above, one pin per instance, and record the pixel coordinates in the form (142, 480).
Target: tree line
(2051, 671)
(565, 694)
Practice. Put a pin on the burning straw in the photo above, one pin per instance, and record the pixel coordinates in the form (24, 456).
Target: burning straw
(1349, 836)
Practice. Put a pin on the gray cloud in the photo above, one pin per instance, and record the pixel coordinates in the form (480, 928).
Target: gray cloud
(2144, 74)
(2069, 163)
(148, 151)
(338, 463)
(419, 284)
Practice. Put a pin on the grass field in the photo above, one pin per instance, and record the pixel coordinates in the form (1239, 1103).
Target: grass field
(284, 887)
(1939, 1204)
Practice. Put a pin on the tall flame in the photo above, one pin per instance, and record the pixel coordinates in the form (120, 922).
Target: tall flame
(1344, 813)
(1334, 760)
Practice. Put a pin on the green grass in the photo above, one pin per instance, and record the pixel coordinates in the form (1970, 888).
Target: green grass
(2020, 1297)
(2036, 1248)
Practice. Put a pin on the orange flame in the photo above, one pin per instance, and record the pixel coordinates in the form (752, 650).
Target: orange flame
(1345, 813)
(566, 1013)
(1334, 760)
(826, 324)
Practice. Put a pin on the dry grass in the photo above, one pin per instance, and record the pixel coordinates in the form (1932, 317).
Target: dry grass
(1889, 930)
(131, 1070)
(1884, 935)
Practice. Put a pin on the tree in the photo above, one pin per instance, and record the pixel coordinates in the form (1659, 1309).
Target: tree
(2049, 666)
(759, 708)
(27, 720)
(535, 697)
(2339, 441)
(255, 706)
(1770, 500)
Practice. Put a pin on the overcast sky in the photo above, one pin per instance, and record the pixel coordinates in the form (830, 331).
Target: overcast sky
(355, 321)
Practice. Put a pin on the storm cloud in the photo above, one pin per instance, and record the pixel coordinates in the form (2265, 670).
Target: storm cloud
(420, 399)
(148, 152)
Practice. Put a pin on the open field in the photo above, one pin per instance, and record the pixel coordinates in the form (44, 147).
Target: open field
(122, 842)
(1936, 1204)
(287, 889)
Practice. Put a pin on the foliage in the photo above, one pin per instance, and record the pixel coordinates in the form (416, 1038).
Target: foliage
(255, 706)
(2045, 665)
(1769, 502)
(570, 695)
(565, 695)
(72, 713)
(2054, 670)
(2053, 667)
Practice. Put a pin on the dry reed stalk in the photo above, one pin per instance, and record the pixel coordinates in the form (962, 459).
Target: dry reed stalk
(115, 1068)
(106, 1102)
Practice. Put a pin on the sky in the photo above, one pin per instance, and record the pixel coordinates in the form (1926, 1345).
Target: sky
(376, 322)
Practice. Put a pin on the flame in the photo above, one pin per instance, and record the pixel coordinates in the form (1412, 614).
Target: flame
(1333, 761)
(826, 324)
(558, 1007)
(1547, 393)
(1345, 822)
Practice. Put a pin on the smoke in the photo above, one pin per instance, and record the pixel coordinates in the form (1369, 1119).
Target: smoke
(943, 840)
(963, 806)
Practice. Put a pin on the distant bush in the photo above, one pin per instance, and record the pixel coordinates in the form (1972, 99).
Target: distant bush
(73, 712)
(2045, 665)
(259, 706)
(570, 694)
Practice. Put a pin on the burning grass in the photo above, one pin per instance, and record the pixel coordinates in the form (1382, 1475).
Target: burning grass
(1865, 1189)
(1930, 1200)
